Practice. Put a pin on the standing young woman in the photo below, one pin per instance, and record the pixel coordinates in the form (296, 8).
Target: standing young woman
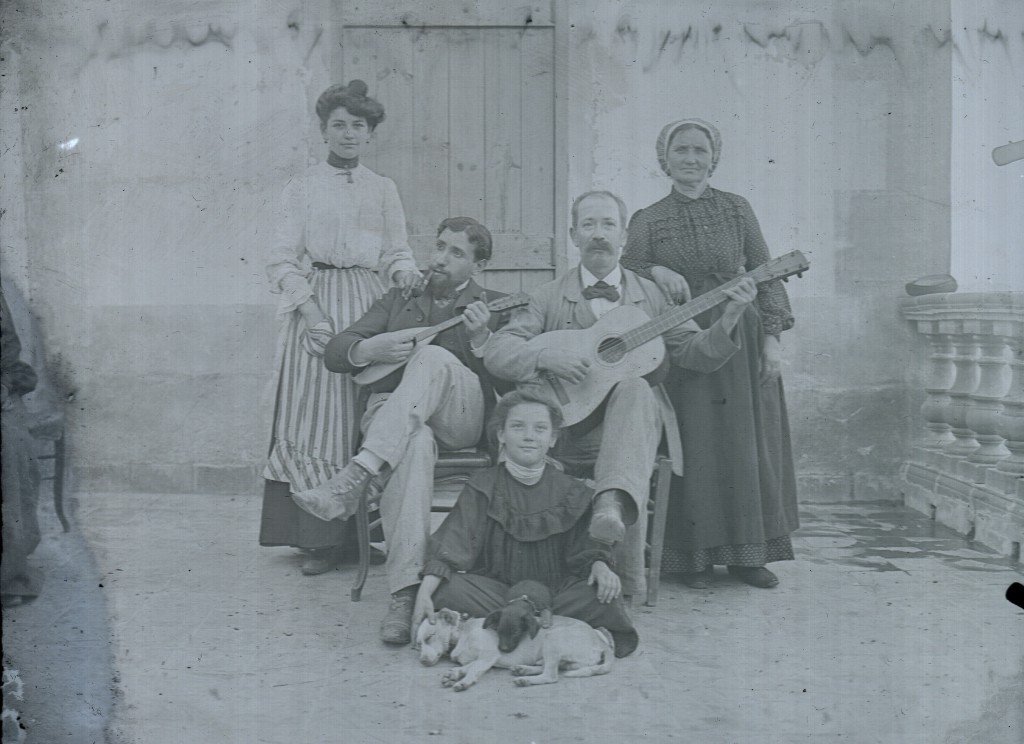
(340, 240)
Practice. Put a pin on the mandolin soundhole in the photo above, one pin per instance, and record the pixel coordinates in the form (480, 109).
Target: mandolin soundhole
(611, 350)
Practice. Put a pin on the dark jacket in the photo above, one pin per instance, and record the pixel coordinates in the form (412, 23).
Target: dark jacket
(392, 313)
(18, 377)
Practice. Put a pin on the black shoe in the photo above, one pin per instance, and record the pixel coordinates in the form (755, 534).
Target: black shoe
(758, 576)
(316, 561)
(396, 627)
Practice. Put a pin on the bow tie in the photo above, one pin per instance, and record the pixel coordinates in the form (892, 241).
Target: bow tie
(601, 289)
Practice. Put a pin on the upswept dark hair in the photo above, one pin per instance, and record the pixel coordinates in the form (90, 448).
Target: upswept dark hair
(524, 395)
(615, 197)
(479, 236)
(352, 98)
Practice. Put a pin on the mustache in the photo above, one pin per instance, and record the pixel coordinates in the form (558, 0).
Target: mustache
(599, 243)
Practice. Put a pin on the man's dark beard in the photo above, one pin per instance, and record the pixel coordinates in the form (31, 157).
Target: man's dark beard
(441, 286)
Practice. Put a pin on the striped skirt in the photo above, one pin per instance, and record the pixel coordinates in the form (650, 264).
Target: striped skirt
(314, 417)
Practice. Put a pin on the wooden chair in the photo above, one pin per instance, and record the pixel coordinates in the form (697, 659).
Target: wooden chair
(451, 471)
(52, 430)
(657, 511)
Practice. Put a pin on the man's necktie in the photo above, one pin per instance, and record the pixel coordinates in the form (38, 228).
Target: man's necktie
(601, 289)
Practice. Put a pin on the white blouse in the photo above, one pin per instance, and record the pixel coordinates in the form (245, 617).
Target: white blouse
(325, 218)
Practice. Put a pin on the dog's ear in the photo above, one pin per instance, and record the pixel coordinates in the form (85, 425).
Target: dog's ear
(492, 620)
(545, 618)
(531, 625)
(449, 617)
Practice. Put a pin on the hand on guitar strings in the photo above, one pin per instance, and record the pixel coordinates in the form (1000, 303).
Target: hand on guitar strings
(568, 364)
(740, 295)
(476, 317)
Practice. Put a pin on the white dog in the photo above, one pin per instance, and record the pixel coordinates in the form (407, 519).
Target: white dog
(569, 645)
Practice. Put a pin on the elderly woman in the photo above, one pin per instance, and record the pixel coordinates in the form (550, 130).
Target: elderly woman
(340, 239)
(736, 502)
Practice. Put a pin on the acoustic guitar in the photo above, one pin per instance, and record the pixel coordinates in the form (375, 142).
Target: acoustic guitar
(378, 371)
(626, 343)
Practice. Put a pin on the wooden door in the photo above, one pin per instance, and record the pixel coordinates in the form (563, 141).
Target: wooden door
(470, 127)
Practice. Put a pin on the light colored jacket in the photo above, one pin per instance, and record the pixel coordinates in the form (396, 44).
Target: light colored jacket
(559, 305)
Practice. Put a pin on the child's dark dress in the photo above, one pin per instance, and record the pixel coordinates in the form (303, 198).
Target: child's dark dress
(502, 531)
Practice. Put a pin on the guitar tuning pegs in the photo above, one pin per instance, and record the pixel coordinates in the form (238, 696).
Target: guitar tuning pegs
(799, 275)
(785, 279)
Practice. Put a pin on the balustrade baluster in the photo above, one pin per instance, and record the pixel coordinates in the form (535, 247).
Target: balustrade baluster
(1011, 420)
(965, 360)
(986, 401)
(937, 408)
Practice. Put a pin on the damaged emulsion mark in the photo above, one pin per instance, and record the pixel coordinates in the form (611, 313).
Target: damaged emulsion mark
(294, 24)
(626, 31)
(628, 34)
(421, 26)
(874, 41)
(803, 43)
(181, 36)
(1015, 593)
(940, 39)
(985, 35)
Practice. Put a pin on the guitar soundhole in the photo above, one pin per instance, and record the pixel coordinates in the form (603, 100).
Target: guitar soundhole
(611, 350)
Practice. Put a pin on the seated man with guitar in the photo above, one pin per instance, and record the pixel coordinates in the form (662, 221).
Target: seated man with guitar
(426, 386)
(614, 416)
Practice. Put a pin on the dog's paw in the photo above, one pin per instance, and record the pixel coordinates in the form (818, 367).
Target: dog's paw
(521, 681)
(460, 686)
(520, 671)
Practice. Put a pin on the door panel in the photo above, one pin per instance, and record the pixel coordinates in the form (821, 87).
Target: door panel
(470, 130)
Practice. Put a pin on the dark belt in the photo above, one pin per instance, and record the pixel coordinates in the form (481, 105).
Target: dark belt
(324, 267)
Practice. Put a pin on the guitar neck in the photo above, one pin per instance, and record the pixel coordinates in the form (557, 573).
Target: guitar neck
(434, 330)
(678, 315)
(503, 303)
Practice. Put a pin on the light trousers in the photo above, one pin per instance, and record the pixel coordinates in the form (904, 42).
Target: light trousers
(438, 404)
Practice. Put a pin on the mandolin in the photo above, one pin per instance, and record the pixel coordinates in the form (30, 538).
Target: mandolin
(626, 343)
(378, 371)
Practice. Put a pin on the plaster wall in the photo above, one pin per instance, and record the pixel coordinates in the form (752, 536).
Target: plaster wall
(146, 143)
(153, 139)
(835, 123)
(987, 111)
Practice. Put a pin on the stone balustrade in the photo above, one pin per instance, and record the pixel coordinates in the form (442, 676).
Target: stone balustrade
(968, 467)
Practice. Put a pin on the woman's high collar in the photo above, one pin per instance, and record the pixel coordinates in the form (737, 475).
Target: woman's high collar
(707, 193)
(342, 163)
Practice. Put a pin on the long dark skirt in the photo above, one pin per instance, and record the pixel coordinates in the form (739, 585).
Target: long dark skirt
(736, 502)
(284, 523)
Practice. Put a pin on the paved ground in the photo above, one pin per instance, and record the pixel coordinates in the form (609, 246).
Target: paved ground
(59, 646)
(886, 629)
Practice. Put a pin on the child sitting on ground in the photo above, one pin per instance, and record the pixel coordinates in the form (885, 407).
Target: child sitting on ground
(524, 519)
